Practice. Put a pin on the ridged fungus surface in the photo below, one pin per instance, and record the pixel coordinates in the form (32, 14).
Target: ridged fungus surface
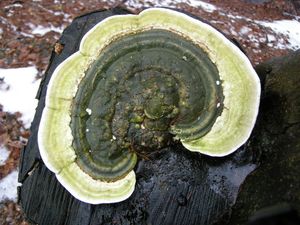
(137, 84)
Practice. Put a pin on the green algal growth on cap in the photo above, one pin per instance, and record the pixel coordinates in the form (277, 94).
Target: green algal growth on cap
(138, 83)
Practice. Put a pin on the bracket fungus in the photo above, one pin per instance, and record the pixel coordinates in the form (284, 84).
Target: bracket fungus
(137, 83)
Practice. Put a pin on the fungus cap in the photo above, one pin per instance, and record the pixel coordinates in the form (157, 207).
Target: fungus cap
(136, 83)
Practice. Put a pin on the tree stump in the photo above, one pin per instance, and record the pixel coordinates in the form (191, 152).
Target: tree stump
(174, 186)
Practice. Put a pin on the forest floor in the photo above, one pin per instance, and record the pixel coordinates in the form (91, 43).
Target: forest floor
(29, 30)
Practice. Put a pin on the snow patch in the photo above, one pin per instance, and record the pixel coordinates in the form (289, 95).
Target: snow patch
(4, 154)
(204, 5)
(235, 16)
(288, 28)
(253, 38)
(20, 90)
(16, 5)
(41, 30)
(245, 30)
(271, 38)
(8, 187)
(169, 3)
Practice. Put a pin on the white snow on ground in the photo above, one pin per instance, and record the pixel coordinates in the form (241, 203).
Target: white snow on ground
(19, 93)
(229, 15)
(15, 5)
(4, 153)
(8, 187)
(204, 5)
(41, 30)
(245, 30)
(168, 3)
(289, 28)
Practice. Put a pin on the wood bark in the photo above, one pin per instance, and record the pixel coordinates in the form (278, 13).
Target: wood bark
(275, 185)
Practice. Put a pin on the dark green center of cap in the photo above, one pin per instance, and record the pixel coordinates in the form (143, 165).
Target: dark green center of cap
(143, 89)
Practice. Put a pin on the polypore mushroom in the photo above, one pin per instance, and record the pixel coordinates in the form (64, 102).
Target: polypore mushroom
(137, 83)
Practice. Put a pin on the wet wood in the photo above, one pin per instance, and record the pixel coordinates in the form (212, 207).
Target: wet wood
(276, 182)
